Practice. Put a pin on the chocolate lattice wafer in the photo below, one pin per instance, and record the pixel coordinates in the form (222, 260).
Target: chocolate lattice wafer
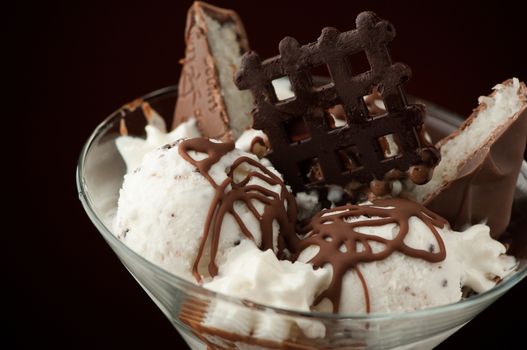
(305, 145)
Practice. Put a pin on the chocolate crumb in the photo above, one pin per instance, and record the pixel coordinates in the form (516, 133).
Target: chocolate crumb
(123, 234)
(431, 248)
(444, 283)
(380, 188)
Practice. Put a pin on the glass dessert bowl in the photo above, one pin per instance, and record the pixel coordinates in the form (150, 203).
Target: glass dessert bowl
(99, 177)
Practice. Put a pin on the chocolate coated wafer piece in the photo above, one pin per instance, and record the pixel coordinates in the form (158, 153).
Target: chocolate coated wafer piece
(200, 90)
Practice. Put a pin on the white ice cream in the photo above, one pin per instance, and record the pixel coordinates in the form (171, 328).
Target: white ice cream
(163, 206)
(308, 204)
(403, 283)
(246, 138)
(252, 274)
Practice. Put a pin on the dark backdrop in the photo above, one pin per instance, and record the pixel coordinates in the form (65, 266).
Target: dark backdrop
(81, 60)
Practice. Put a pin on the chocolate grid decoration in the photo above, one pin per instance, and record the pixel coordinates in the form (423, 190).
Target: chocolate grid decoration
(305, 145)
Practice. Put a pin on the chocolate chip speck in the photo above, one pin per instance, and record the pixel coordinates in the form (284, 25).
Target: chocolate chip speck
(444, 283)
(123, 235)
(431, 248)
(406, 289)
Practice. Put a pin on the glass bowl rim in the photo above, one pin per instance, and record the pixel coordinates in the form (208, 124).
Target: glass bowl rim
(487, 296)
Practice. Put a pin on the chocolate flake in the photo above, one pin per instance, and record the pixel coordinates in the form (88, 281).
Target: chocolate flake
(124, 233)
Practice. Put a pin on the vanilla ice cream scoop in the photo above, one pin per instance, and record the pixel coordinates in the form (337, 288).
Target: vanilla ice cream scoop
(189, 202)
(394, 255)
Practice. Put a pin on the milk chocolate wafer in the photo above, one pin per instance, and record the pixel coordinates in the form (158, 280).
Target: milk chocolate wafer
(479, 177)
(215, 39)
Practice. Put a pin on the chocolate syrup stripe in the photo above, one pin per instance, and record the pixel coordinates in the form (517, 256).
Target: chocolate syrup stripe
(224, 200)
(328, 230)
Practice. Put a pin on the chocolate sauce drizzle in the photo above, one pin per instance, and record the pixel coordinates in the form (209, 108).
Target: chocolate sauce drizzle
(331, 230)
(229, 191)
(258, 143)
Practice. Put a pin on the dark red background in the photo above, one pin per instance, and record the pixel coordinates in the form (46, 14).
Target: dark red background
(81, 60)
